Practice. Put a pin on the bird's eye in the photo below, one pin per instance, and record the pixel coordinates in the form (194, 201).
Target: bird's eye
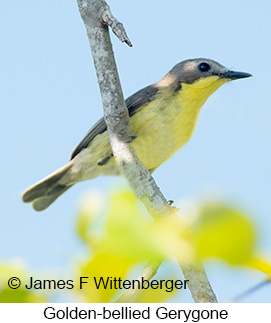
(204, 67)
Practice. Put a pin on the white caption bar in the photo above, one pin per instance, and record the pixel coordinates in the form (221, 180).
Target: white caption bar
(55, 312)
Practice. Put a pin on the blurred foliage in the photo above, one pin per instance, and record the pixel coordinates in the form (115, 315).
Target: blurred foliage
(224, 233)
(228, 234)
(129, 236)
(20, 295)
(120, 236)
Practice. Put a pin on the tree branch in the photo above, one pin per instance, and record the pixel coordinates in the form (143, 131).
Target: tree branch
(132, 295)
(198, 283)
(94, 14)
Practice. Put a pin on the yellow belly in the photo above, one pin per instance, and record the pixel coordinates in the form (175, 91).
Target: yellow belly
(164, 131)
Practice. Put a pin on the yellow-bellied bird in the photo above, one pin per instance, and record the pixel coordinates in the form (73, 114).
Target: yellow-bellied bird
(162, 119)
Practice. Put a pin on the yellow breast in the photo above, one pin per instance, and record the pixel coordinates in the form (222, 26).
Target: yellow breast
(164, 125)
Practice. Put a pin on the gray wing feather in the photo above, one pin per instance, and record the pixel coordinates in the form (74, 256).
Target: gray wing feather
(134, 103)
(97, 129)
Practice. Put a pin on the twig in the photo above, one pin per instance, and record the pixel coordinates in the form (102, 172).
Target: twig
(250, 291)
(116, 26)
(93, 13)
(132, 295)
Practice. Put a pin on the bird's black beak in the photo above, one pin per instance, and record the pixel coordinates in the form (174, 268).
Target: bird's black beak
(232, 75)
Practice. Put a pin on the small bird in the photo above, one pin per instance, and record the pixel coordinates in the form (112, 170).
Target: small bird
(162, 119)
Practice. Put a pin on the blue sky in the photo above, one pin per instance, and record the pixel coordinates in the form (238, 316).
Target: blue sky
(50, 98)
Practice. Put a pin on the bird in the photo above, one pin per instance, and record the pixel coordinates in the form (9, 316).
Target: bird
(162, 120)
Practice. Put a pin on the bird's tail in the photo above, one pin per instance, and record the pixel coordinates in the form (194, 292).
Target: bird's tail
(46, 191)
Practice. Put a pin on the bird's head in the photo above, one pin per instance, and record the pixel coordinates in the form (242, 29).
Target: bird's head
(200, 77)
(193, 70)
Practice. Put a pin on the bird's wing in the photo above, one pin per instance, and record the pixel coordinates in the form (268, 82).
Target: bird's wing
(97, 129)
(134, 103)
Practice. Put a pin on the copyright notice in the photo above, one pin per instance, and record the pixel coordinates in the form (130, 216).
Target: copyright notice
(168, 285)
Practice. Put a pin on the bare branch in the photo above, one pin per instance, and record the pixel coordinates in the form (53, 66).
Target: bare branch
(115, 110)
(94, 14)
(198, 283)
(250, 291)
(132, 295)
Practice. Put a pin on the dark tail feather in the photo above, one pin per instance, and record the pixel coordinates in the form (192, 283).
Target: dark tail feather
(46, 191)
(41, 203)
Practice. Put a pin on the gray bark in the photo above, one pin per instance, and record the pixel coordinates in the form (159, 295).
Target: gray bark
(97, 16)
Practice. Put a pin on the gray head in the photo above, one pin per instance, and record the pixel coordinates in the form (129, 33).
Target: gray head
(192, 70)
